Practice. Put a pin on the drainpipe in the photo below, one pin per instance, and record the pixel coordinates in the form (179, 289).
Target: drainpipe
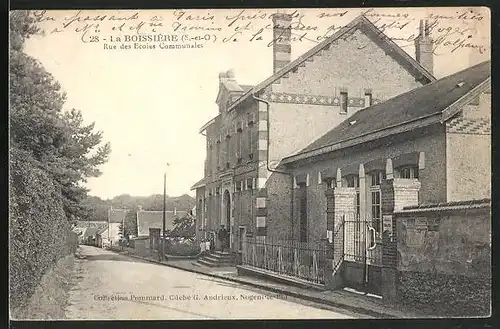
(267, 160)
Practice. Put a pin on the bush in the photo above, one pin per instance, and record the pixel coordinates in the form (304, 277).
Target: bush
(39, 231)
(182, 249)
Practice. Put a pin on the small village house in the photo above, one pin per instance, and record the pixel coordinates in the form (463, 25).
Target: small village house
(87, 231)
(150, 228)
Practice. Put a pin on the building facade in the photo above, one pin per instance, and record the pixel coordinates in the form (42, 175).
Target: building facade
(257, 127)
(434, 142)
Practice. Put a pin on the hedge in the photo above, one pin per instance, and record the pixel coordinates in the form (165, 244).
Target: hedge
(39, 232)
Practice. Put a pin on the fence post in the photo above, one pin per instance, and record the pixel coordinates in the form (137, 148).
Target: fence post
(295, 262)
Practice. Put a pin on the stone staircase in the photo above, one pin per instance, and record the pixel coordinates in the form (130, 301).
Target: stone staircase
(217, 259)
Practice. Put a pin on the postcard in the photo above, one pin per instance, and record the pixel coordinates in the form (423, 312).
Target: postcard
(250, 163)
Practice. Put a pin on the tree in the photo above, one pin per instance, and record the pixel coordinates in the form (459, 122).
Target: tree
(51, 154)
(183, 228)
(59, 142)
(131, 223)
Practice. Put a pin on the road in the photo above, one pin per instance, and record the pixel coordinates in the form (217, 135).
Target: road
(117, 287)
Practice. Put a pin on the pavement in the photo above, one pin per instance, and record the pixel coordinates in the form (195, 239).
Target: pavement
(108, 285)
(364, 305)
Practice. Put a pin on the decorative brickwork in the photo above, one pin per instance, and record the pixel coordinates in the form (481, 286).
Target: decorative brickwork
(262, 172)
(462, 125)
(314, 99)
(281, 41)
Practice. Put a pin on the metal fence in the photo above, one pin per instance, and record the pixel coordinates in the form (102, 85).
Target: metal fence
(362, 242)
(304, 260)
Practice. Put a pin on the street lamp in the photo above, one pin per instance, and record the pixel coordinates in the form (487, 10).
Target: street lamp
(164, 211)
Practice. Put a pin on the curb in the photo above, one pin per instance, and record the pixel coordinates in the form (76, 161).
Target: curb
(318, 300)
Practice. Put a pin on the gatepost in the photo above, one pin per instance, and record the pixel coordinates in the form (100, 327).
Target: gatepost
(397, 193)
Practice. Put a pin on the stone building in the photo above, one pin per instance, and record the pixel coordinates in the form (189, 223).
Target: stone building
(258, 126)
(432, 143)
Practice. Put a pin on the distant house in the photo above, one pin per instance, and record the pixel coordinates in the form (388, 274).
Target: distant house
(116, 217)
(102, 232)
(86, 230)
(154, 219)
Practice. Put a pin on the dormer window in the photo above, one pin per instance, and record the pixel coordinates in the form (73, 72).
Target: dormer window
(368, 98)
(343, 102)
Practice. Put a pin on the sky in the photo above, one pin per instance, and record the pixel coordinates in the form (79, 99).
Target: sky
(151, 103)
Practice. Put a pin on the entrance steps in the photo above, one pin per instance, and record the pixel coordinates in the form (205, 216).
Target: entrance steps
(217, 259)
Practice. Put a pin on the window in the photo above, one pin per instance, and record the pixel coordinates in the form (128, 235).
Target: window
(209, 159)
(376, 210)
(368, 98)
(250, 183)
(218, 155)
(353, 181)
(376, 178)
(343, 102)
(409, 172)
(228, 151)
(250, 139)
(238, 145)
(237, 186)
(302, 195)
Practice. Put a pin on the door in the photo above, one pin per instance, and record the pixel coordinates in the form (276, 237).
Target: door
(241, 236)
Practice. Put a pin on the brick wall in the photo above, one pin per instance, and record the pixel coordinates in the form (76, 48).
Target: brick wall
(443, 260)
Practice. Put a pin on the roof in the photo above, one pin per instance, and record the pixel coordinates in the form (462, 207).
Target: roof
(198, 184)
(102, 230)
(244, 88)
(85, 232)
(154, 219)
(359, 22)
(440, 97)
(83, 224)
(117, 215)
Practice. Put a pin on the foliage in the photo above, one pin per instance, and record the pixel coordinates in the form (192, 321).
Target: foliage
(51, 154)
(183, 228)
(131, 223)
(66, 148)
(39, 232)
(182, 249)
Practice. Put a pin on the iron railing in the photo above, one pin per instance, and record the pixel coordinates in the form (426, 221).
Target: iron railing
(303, 260)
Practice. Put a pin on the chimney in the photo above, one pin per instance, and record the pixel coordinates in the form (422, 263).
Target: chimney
(282, 48)
(423, 47)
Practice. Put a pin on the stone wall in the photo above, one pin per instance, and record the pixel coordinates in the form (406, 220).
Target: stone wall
(444, 258)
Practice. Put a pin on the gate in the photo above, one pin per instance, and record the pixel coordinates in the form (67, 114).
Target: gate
(362, 253)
